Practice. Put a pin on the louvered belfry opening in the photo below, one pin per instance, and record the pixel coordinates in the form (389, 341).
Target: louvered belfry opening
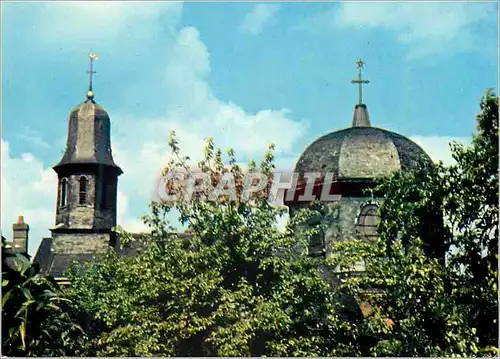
(83, 190)
(63, 194)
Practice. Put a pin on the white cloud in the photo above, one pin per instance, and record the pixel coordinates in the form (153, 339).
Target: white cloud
(140, 144)
(28, 188)
(124, 219)
(260, 16)
(438, 147)
(427, 28)
(86, 21)
(194, 113)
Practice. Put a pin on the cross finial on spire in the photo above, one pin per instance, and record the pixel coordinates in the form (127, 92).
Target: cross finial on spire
(360, 80)
(91, 71)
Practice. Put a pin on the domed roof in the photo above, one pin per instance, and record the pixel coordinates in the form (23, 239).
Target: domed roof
(89, 136)
(361, 152)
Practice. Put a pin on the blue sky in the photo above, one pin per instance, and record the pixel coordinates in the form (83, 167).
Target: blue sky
(247, 74)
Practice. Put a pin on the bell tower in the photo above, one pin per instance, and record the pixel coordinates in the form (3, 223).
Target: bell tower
(87, 181)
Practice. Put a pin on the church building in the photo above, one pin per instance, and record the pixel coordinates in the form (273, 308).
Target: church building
(88, 179)
(86, 191)
(354, 158)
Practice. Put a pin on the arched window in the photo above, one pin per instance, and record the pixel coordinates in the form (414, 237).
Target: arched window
(63, 193)
(83, 190)
(368, 221)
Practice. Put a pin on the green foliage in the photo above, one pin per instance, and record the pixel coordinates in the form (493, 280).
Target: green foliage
(237, 286)
(473, 207)
(435, 264)
(36, 317)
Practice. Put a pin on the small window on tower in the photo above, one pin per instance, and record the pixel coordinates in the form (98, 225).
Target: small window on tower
(368, 221)
(83, 190)
(63, 193)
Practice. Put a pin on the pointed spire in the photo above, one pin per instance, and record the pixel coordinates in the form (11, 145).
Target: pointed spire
(361, 117)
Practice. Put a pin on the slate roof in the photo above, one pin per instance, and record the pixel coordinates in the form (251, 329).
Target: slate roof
(56, 264)
(43, 255)
(361, 153)
(91, 121)
(61, 262)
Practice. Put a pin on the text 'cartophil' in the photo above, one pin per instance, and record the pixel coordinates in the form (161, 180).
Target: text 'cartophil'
(184, 185)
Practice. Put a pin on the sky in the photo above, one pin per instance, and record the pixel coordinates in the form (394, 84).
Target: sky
(247, 74)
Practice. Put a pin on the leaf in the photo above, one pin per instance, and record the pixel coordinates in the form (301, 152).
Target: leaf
(22, 330)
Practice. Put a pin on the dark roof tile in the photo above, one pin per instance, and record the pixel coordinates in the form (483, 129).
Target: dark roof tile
(61, 262)
(43, 256)
(361, 153)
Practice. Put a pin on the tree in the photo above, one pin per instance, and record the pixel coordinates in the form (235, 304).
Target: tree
(473, 207)
(236, 286)
(36, 317)
(434, 270)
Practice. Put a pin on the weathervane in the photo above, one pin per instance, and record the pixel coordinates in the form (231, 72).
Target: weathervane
(91, 71)
(360, 80)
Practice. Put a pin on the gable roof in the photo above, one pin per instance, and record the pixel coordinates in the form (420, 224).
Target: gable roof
(56, 264)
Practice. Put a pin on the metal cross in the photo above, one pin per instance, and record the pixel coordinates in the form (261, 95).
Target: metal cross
(360, 80)
(91, 71)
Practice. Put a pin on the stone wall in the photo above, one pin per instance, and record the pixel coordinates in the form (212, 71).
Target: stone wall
(75, 215)
(92, 214)
(80, 243)
(346, 226)
(350, 208)
(341, 224)
(106, 199)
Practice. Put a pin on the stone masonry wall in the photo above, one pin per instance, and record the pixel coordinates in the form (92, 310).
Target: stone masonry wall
(75, 215)
(345, 228)
(350, 208)
(80, 243)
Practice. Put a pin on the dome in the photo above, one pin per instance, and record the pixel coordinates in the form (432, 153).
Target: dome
(361, 152)
(89, 137)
